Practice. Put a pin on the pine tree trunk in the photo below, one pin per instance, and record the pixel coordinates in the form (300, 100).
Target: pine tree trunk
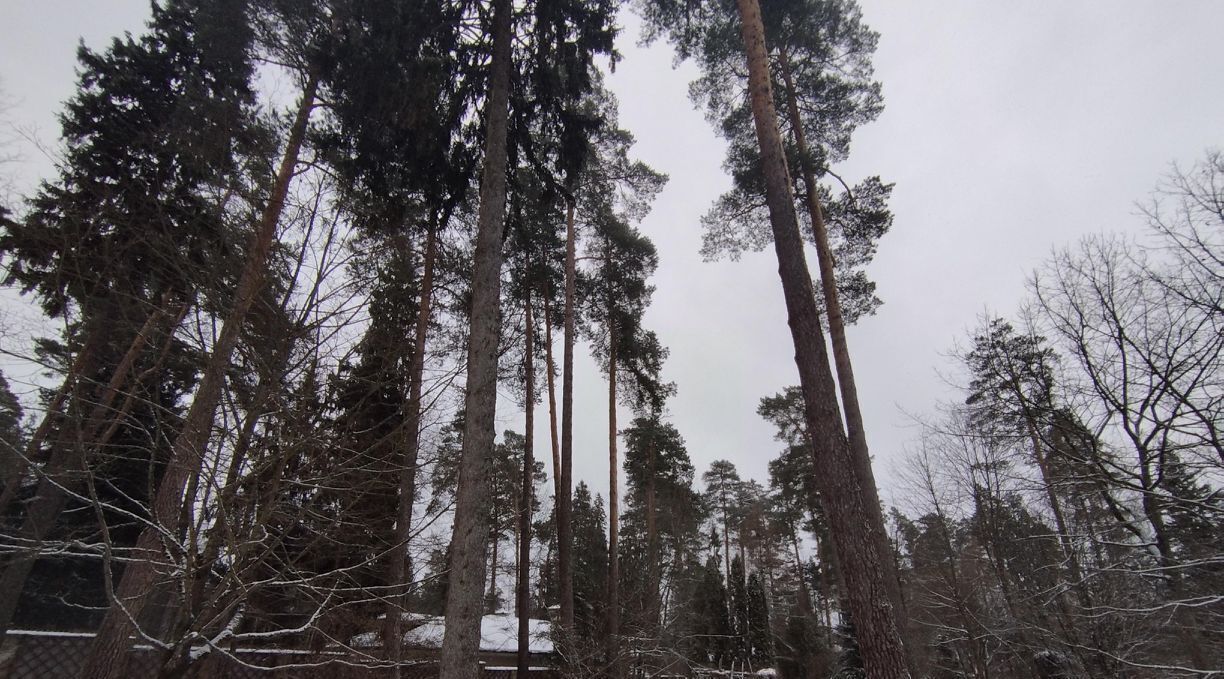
(523, 593)
(652, 543)
(108, 654)
(491, 596)
(614, 665)
(855, 431)
(551, 369)
(461, 641)
(565, 531)
(805, 594)
(399, 572)
(726, 522)
(857, 547)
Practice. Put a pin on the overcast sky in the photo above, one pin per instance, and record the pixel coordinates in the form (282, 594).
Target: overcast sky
(1009, 129)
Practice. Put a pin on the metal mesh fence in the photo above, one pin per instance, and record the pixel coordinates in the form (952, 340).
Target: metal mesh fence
(27, 654)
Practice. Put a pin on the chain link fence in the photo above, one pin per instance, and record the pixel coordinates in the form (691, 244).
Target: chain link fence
(30, 654)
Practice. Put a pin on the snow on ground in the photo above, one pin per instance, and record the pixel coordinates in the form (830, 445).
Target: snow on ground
(498, 634)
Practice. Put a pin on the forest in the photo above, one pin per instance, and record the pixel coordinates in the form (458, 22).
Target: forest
(311, 275)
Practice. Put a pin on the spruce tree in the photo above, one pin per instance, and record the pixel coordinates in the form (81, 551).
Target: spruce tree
(107, 654)
(131, 229)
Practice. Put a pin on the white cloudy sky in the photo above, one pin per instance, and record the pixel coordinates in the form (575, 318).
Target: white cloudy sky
(1009, 129)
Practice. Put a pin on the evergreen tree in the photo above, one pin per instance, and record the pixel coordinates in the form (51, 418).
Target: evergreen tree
(402, 81)
(722, 494)
(737, 590)
(590, 571)
(713, 631)
(107, 654)
(12, 438)
(134, 225)
(758, 633)
(661, 539)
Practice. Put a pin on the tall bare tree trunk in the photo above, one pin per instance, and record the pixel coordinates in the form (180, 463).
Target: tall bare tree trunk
(551, 368)
(565, 509)
(491, 596)
(726, 522)
(614, 667)
(108, 654)
(850, 522)
(652, 541)
(523, 592)
(855, 431)
(461, 641)
(399, 573)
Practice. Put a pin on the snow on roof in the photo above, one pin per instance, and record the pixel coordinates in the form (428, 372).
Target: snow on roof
(498, 634)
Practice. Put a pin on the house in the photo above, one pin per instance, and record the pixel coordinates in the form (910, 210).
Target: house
(498, 640)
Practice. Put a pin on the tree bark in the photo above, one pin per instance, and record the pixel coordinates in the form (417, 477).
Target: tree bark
(461, 641)
(551, 369)
(856, 433)
(399, 571)
(876, 628)
(614, 665)
(523, 593)
(726, 522)
(491, 596)
(108, 654)
(565, 531)
(652, 541)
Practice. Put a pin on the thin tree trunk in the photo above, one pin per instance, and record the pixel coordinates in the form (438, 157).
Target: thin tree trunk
(552, 402)
(726, 522)
(491, 596)
(855, 431)
(852, 531)
(108, 654)
(614, 667)
(565, 531)
(130, 399)
(399, 573)
(805, 594)
(523, 593)
(461, 641)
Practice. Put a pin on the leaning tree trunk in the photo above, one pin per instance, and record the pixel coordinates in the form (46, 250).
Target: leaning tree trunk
(855, 431)
(398, 573)
(523, 591)
(565, 509)
(460, 643)
(107, 655)
(852, 530)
